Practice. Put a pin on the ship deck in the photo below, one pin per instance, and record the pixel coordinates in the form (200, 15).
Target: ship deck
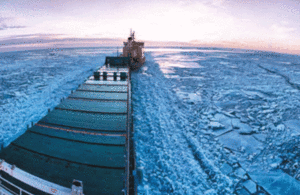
(83, 138)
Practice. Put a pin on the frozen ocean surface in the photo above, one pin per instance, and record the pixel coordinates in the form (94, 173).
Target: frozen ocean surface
(31, 82)
(206, 120)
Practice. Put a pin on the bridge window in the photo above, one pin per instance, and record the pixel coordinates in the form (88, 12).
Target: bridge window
(97, 76)
(104, 76)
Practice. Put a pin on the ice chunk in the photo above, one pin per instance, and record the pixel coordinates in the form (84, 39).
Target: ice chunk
(240, 173)
(226, 168)
(250, 186)
(261, 137)
(294, 126)
(235, 141)
(277, 182)
(189, 97)
(267, 111)
(235, 123)
(223, 120)
(274, 165)
(275, 162)
(216, 125)
(210, 192)
(243, 192)
(245, 129)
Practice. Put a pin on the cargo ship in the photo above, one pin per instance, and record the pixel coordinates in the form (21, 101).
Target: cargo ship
(84, 145)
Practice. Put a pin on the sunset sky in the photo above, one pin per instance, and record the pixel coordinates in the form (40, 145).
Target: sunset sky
(258, 24)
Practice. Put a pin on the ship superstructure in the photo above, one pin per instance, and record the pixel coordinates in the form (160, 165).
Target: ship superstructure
(135, 51)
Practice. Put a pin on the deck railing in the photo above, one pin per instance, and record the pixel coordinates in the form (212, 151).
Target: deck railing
(7, 191)
(36, 182)
(130, 186)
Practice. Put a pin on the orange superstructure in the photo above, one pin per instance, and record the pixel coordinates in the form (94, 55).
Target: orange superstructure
(134, 50)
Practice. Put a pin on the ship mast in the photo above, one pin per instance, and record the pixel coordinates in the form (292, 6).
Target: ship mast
(132, 34)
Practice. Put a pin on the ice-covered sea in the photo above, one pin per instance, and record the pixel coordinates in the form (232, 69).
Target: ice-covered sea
(31, 82)
(206, 121)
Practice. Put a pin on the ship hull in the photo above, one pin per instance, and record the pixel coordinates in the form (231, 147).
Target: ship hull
(137, 63)
(135, 66)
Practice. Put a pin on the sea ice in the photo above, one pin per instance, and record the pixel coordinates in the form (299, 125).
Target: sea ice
(277, 182)
(235, 141)
(294, 126)
(216, 125)
(280, 127)
(250, 186)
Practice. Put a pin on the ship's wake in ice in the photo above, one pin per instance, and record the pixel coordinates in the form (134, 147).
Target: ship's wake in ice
(212, 121)
(173, 161)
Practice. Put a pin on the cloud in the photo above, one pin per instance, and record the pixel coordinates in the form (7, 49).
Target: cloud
(5, 26)
(218, 3)
(46, 41)
(36, 35)
(282, 30)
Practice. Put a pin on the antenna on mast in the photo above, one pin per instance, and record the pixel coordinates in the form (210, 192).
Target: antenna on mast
(133, 35)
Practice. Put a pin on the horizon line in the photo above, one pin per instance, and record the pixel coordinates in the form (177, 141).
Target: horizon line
(40, 41)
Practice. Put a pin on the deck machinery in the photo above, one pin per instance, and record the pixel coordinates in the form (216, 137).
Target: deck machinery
(83, 146)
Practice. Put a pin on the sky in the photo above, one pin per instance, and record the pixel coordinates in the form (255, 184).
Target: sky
(254, 24)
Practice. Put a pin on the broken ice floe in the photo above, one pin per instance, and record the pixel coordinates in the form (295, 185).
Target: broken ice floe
(276, 182)
(235, 141)
(215, 125)
(294, 127)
